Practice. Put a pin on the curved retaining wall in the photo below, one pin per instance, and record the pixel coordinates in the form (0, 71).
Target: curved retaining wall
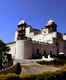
(23, 49)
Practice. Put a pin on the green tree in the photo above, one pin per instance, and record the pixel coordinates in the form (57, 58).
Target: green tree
(3, 51)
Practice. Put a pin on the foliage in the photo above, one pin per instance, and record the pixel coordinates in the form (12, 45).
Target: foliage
(56, 61)
(3, 47)
(50, 75)
(3, 51)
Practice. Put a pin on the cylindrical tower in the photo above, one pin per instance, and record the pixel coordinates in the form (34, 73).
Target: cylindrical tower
(23, 49)
(23, 45)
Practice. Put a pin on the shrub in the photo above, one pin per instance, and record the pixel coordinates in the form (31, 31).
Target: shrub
(18, 68)
(56, 61)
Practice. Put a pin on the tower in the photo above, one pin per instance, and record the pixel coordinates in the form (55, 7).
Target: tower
(23, 45)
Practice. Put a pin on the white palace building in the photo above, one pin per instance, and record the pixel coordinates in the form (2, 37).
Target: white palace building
(30, 42)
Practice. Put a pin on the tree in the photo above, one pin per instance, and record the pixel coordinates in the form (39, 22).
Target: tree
(3, 51)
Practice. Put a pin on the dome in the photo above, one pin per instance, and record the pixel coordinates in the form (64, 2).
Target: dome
(21, 22)
(50, 22)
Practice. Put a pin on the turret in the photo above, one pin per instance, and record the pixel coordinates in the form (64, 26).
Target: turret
(21, 30)
(23, 45)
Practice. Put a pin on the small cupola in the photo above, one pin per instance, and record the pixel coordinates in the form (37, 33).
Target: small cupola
(52, 27)
(50, 22)
(22, 23)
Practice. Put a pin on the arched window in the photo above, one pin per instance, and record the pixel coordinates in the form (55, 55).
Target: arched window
(51, 53)
(45, 54)
(37, 51)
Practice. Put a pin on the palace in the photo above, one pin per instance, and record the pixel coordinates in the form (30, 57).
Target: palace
(33, 43)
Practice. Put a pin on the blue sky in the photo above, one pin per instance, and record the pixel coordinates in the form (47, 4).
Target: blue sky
(35, 12)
